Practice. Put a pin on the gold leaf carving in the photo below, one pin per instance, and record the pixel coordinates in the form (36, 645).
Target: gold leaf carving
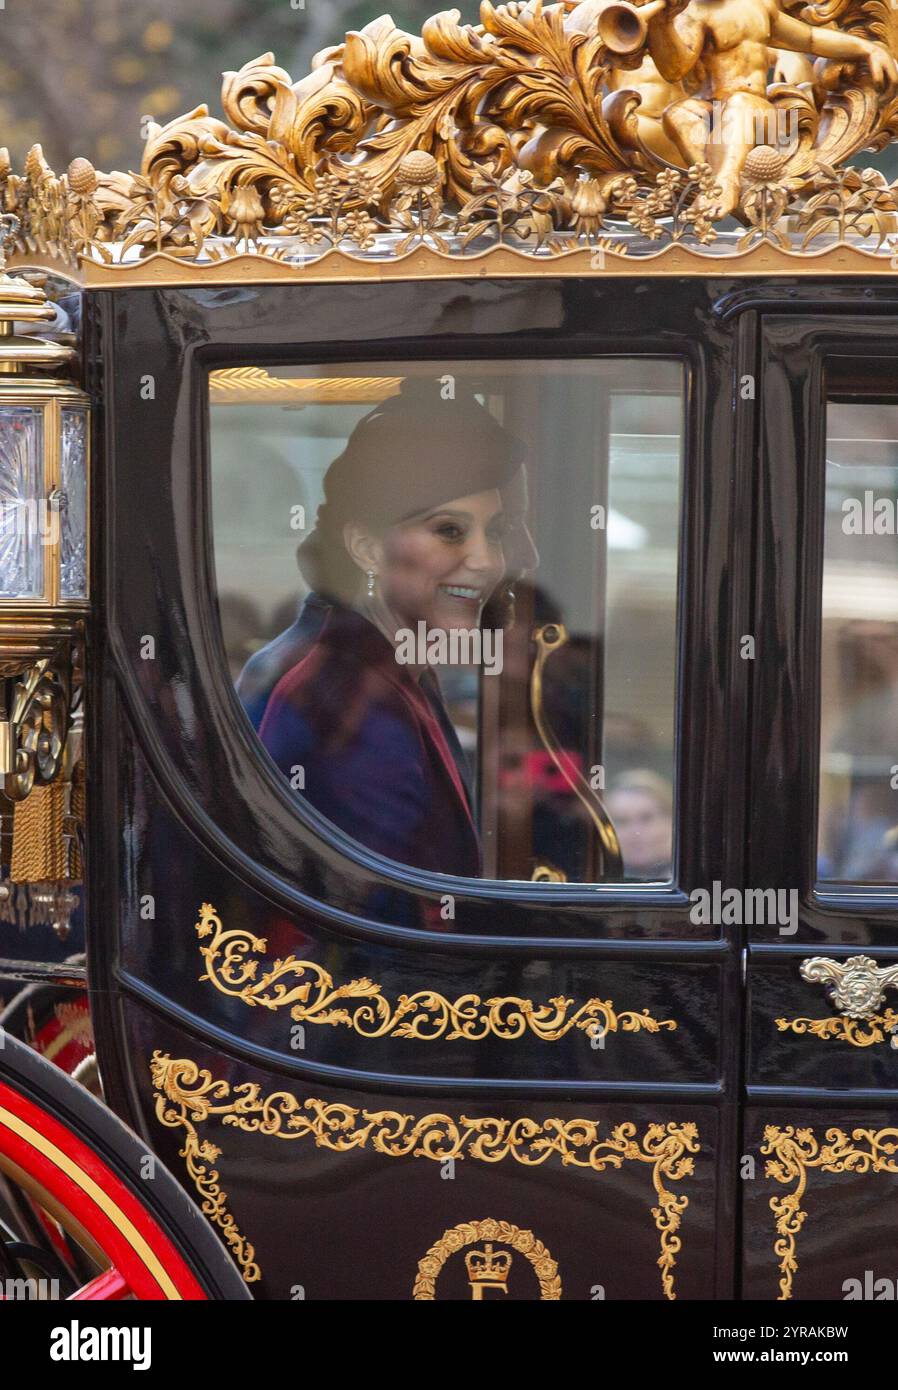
(310, 993)
(848, 203)
(550, 119)
(188, 1095)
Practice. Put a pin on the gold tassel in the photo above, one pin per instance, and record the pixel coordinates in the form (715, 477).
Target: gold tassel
(39, 848)
(77, 808)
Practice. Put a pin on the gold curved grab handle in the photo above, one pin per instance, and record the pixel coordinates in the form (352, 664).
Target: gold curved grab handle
(548, 639)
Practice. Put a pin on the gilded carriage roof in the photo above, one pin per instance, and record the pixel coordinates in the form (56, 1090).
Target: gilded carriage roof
(676, 136)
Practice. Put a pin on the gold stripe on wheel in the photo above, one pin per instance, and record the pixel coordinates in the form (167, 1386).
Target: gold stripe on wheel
(107, 1205)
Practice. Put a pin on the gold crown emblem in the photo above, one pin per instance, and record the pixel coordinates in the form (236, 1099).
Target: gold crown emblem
(488, 1266)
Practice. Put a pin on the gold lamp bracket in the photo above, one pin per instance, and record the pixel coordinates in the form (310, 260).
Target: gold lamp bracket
(41, 633)
(22, 302)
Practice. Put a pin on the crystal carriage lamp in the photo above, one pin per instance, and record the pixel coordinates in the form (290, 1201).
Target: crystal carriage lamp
(43, 589)
(43, 463)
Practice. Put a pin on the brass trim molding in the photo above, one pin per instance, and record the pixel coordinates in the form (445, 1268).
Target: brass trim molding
(615, 128)
(337, 267)
(466, 1233)
(856, 987)
(188, 1095)
(425, 1016)
(795, 1151)
(255, 386)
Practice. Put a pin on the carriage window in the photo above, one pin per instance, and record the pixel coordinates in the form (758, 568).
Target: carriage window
(858, 824)
(448, 596)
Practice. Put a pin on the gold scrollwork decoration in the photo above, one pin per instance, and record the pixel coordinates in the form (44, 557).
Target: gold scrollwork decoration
(466, 1233)
(856, 987)
(188, 1095)
(794, 1151)
(310, 993)
(179, 1106)
(864, 1032)
(39, 722)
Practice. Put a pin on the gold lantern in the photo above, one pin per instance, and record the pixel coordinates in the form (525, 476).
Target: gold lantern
(44, 440)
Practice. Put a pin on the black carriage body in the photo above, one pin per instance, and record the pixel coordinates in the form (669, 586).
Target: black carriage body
(332, 1159)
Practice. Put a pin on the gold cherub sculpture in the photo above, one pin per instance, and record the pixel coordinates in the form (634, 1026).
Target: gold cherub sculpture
(723, 46)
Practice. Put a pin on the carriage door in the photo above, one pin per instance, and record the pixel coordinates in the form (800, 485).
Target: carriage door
(822, 1065)
(385, 1073)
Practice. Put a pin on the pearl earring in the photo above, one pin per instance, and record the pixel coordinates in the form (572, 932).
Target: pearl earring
(371, 583)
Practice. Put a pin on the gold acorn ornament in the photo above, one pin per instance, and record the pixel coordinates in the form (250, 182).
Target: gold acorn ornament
(765, 198)
(417, 204)
(765, 164)
(82, 177)
(418, 169)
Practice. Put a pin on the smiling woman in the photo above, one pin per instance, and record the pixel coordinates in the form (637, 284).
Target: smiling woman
(397, 693)
(361, 724)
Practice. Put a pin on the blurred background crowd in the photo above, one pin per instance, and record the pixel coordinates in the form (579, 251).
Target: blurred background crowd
(79, 76)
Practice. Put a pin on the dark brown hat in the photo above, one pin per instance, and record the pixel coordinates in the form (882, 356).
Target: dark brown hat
(408, 455)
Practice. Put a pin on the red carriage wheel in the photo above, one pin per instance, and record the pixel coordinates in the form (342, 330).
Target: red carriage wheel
(83, 1167)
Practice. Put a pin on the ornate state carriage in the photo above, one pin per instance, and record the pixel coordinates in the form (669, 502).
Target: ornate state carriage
(657, 1020)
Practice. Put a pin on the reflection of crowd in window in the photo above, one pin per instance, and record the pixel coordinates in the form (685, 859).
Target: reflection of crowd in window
(859, 816)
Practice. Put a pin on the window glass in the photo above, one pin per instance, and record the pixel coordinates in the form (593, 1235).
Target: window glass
(21, 552)
(448, 595)
(858, 821)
